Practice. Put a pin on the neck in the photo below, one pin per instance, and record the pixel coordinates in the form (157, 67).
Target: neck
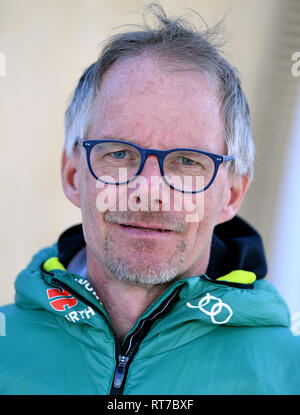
(126, 302)
(123, 301)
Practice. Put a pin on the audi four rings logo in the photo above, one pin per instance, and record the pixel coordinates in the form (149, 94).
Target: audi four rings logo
(215, 309)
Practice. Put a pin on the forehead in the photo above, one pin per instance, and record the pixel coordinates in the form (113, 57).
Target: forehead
(143, 101)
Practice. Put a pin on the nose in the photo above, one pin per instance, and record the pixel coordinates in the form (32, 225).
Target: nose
(149, 192)
(151, 168)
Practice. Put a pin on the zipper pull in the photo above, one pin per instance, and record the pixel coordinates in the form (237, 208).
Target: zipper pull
(120, 371)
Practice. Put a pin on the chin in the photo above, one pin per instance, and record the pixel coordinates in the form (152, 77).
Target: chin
(145, 274)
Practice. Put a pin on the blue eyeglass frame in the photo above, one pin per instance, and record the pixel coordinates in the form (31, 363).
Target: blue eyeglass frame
(160, 154)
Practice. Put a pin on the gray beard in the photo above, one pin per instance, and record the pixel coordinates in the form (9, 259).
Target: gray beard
(122, 269)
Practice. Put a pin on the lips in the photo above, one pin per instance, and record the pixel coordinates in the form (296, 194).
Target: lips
(147, 222)
(147, 228)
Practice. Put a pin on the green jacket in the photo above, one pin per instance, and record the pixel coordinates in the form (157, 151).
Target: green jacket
(204, 335)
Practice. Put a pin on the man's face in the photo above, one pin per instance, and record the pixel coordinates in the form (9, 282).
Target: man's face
(142, 102)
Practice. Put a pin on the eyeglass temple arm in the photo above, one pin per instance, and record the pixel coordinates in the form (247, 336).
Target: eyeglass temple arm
(228, 158)
(78, 140)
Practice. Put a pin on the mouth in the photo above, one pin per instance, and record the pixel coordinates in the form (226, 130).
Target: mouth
(144, 229)
(147, 228)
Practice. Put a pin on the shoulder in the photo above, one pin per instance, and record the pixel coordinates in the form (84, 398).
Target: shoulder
(277, 339)
(265, 359)
(272, 349)
(18, 325)
(270, 346)
(274, 339)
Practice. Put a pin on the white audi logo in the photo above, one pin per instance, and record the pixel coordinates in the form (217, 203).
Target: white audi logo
(215, 309)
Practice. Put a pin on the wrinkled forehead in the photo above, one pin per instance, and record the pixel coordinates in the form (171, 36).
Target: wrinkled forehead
(143, 98)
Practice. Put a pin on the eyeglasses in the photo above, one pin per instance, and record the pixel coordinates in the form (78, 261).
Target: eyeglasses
(183, 169)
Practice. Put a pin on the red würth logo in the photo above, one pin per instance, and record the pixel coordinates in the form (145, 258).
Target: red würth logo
(60, 299)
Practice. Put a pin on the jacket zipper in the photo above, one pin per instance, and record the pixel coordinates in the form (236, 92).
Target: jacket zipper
(120, 372)
(124, 358)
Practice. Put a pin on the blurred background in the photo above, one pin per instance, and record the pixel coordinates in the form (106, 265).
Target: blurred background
(44, 47)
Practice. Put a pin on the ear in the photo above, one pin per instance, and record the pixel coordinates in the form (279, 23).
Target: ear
(70, 177)
(237, 189)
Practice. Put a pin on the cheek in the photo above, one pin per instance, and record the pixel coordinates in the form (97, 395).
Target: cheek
(87, 194)
(95, 196)
(92, 216)
(200, 208)
(215, 197)
(202, 223)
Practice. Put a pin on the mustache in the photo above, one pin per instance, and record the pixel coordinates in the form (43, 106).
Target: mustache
(162, 219)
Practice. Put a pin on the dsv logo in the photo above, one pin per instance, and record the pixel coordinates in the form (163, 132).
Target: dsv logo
(60, 299)
(215, 309)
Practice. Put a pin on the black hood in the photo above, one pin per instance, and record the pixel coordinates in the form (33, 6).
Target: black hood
(235, 246)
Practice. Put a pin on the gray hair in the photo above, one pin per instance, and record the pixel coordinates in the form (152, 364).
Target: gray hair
(175, 42)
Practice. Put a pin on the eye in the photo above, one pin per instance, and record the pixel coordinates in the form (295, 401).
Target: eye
(121, 154)
(188, 162)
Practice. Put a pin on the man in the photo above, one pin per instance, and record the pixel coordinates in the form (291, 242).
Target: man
(160, 291)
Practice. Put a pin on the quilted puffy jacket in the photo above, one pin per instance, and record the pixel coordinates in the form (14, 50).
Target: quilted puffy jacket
(225, 332)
